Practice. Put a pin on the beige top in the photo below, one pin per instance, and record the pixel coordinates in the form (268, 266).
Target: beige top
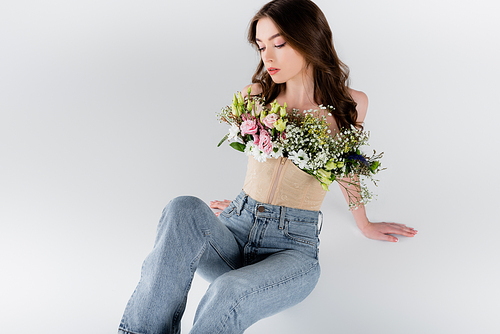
(280, 182)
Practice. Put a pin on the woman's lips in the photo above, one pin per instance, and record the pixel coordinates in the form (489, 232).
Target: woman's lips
(273, 70)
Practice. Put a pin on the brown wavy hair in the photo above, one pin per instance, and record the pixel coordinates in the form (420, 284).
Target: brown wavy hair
(305, 28)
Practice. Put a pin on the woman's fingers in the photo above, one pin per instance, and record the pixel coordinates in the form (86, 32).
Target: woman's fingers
(399, 229)
(385, 231)
(387, 237)
(406, 231)
(221, 205)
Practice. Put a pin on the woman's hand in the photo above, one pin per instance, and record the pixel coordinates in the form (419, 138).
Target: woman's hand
(219, 205)
(383, 231)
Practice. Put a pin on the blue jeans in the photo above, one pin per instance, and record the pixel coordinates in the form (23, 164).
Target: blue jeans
(259, 258)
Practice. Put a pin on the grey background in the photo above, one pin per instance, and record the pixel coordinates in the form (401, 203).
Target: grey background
(107, 112)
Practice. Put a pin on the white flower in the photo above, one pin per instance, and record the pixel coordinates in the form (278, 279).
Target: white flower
(233, 131)
(249, 148)
(277, 154)
(322, 158)
(252, 150)
(259, 155)
(300, 158)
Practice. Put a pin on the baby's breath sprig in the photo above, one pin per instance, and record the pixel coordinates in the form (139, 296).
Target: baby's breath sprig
(309, 143)
(307, 140)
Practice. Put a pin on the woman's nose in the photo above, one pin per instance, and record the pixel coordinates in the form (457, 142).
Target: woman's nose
(267, 56)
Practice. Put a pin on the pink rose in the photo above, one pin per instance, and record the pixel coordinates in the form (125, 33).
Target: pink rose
(258, 108)
(270, 119)
(248, 127)
(265, 143)
(256, 139)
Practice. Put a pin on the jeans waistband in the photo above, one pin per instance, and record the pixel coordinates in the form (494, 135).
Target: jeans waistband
(243, 201)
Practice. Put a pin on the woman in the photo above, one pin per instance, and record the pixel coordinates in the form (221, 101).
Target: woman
(261, 253)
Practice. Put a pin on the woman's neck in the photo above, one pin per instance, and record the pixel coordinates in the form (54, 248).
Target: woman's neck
(299, 92)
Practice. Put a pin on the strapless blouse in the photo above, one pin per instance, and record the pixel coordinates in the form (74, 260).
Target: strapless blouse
(280, 182)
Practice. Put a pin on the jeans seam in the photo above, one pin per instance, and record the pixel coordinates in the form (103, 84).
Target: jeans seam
(224, 258)
(228, 214)
(246, 295)
(305, 240)
(302, 241)
(186, 290)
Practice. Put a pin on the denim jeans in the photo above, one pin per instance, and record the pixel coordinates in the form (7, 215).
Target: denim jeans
(259, 258)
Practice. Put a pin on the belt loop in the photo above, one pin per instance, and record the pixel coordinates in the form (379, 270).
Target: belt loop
(321, 222)
(241, 203)
(282, 217)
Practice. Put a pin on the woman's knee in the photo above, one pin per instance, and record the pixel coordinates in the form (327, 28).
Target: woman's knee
(234, 288)
(185, 206)
(229, 289)
(186, 203)
(185, 213)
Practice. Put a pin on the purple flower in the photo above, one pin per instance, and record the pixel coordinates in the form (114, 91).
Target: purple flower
(358, 157)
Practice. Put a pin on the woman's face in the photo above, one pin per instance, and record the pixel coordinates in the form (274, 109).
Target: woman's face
(281, 61)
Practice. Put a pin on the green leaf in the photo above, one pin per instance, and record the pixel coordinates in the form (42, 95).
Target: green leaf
(223, 139)
(374, 166)
(238, 146)
(324, 186)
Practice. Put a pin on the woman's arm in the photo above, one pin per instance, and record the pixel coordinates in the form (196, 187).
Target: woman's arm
(378, 231)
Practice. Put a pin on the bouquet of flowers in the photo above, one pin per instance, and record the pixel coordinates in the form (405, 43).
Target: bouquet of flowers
(306, 139)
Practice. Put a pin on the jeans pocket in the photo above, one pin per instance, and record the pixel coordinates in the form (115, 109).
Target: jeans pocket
(302, 232)
(229, 211)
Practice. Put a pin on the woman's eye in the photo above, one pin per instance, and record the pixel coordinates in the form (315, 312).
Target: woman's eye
(276, 46)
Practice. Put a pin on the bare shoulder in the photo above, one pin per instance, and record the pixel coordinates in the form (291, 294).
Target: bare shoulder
(256, 89)
(362, 103)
